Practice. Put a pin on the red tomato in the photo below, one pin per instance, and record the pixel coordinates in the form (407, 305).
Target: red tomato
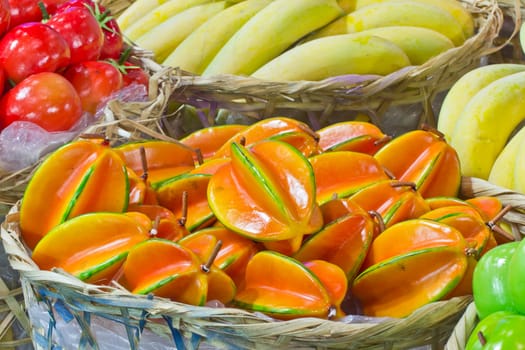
(5, 16)
(135, 74)
(113, 40)
(82, 32)
(30, 48)
(94, 81)
(46, 99)
(23, 11)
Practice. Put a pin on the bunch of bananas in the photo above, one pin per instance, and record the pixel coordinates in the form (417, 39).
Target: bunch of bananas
(482, 117)
(289, 40)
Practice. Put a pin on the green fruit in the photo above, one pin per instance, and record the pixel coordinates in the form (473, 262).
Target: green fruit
(516, 278)
(500, 330)
(490, 286)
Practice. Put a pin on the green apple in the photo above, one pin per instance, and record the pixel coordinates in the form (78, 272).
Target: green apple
(490, 281)
(500, 330)
(516, 278)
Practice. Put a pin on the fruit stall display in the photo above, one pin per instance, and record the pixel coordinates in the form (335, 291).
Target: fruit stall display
(276, 232)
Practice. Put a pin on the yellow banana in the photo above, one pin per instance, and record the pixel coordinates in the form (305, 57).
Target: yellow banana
(465, 88)
(519, 164)
(158, 15)
(420, 44)
(135, 11)
(271, 31)
(508, 167)
(166, 36)
(451, 6)
(396, 13)
(486, 123)
(196, 51)
(335, 55)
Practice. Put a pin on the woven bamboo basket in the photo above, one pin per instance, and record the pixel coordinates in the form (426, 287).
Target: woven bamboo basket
(14, 325)
(86, 311)
(511, 50)
(343, 96)
(461, 333)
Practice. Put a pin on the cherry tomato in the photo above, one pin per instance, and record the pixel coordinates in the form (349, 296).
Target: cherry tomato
(30, 48)
(46, 99)
(134, 74)
(23, 11)
(5, 16)
(82, 32)
(94, 81)
(113, 40)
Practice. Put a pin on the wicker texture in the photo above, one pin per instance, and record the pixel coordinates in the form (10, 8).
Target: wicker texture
(12, 310)
(461, 333)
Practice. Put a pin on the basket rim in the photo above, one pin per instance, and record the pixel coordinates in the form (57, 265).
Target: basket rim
(461, 333)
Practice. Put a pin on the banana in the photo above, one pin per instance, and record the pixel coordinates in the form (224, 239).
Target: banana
(396, 13)
(451, 6)
(420, 44)
(158, 15)
(196, 51)
(335, 55)
(486, 123)
(465, 88)
(135, 11)
(166, 36)
(519, 163)
(271, 31)
(508, 167)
